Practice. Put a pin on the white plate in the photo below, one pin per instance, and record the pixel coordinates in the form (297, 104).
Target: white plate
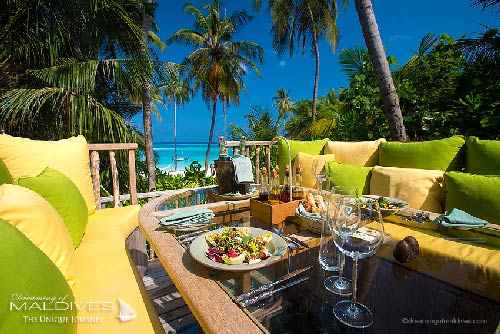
(387, 212)
(199, 247)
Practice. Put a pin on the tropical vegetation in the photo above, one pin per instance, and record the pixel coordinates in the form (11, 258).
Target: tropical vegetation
(218, 63)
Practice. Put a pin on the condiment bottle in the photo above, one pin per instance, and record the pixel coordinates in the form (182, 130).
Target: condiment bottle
(264, 186)
(274, 194)
(297, 190)
(285, 189)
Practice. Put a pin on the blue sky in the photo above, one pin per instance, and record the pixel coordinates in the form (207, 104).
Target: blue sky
(402, 24)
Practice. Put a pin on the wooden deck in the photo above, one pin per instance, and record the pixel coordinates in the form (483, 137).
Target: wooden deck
(174, 314)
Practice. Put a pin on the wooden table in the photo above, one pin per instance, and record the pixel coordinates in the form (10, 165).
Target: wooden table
(399, 296)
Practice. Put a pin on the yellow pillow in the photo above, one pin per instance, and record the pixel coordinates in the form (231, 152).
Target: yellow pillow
(421, 188)
(27, 158)
(306, 161)
(38, 221)
(361, 153)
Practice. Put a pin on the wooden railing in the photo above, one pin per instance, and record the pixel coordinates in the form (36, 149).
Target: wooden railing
(95, 171)
(133, 196)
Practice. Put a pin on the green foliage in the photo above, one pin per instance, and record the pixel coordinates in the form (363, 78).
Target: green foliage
(193, 177)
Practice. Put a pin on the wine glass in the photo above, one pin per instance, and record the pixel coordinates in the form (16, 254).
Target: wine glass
(339, 285)
(317, 171)
(360, 232)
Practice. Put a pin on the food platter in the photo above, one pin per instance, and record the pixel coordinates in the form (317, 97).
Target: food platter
(199, 248)
(400, 204)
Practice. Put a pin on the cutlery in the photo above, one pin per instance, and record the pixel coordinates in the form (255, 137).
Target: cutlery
(192, 234)
(291, 238)
(268, 294)
(268, 286)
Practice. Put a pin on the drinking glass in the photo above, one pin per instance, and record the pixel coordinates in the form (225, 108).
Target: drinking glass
(338, 285)
(317, 171)
(360, 232)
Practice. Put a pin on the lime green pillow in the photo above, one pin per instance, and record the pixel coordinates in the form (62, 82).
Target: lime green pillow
(441, 154)
(476, 194)
(348, 176)
(25, 271)
(313, 147)
(482, 156)
(64, 196)
(5, 176)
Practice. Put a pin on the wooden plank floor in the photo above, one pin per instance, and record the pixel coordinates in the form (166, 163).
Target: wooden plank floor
(174, 314)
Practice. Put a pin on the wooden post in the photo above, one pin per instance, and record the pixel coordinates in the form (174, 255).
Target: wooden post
(257, 164)
(96, 182)
(132, 177)
(114, 176)
(268, 158)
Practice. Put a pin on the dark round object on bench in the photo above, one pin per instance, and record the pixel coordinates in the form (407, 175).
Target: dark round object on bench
(404, 252)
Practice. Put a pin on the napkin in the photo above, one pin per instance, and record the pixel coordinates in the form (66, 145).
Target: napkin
(459, 218)
(242, 169)
(301, 211)
(188, 216)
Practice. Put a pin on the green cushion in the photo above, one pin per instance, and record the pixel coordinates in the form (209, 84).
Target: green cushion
(5, 176)
(482, 156)
(348, 176)
(64, 196)
(441, 154)
(476, 194)
(25, 271)
(313, 147)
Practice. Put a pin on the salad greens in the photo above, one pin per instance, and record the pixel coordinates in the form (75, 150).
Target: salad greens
(385, 203)
(237, 245)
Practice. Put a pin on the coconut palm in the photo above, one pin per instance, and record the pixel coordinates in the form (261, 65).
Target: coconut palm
(300, 23)
(283, 103)
(177, 92)
(65, 82)
(373, 42)
(218, 64)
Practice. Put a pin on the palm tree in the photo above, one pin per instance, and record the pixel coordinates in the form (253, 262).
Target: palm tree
(373, 42)
(304, 22)
(178, 92)
(64, 81)
(283, 103)
(218, 63)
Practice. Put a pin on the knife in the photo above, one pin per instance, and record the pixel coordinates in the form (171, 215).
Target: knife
(291, 238)
(268, 294)
(268, 286)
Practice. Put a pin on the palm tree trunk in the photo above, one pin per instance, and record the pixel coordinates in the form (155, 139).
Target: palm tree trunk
(148, 135)
(175, 134)
(381, 67)
(146, 115)
(316, 76)
(210, 136)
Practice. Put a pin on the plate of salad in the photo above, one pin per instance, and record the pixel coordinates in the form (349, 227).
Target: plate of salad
(238, 248)
(388, 205)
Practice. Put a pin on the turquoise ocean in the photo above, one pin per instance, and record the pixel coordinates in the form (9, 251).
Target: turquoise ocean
(192, 151)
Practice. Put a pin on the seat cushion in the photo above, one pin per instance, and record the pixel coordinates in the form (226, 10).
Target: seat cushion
(5, 176)
(127, 222)
(421, 188)
(106, 273)
(442, 154)
(478, 195)
(25, 157)
(25, 271)
(64, 196)
(39, 221)
(305, 161)
(362, 153)
(482, 156)
(349, 177)
(314, 147)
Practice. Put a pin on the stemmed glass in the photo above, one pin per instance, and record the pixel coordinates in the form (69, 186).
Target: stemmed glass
(360, 232)
(339, 285)
(317, 170)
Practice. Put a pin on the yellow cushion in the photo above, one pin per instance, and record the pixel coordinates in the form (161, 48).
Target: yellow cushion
(421, 188)
(106, 273)
(38, 220)
(306, 161)
(25, 158)
(362, 153)
(125, 219)
(474, 267)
